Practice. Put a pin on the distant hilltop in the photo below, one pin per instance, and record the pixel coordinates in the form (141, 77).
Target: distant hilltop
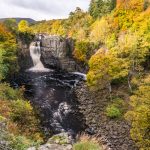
(19, 19)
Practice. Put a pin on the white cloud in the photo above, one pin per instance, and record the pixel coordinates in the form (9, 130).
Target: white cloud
(40, 9)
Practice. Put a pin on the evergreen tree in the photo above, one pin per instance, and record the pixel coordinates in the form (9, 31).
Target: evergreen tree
(99, 8)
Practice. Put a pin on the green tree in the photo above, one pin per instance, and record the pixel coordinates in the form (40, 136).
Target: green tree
(8, 49)
(11, 24)
(99, 8)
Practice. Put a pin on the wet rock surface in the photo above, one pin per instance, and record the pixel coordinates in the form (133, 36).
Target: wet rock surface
(52, 95)
(114, 133)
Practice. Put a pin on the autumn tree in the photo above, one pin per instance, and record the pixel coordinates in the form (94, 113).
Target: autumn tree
(8, 47)
(57, 28)
(139, 115)
(99, 30)
(137, 5)
(105, 67)
(82, 48)
(23, 26)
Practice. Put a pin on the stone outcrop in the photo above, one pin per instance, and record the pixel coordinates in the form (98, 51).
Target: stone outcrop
(56, 53)
(113, 132)
(60, 141)
(24, 59)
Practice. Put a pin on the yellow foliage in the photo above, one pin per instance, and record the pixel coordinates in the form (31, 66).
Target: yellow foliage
(57, 28)
(23, 26)
(81, 51)
(104, 67)
(139, 116)
(99, 30)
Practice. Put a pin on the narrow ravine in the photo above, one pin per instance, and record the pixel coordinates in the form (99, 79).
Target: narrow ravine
(51, 93)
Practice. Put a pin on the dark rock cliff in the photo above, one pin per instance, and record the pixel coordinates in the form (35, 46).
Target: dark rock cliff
(56, 53)
(24, 59)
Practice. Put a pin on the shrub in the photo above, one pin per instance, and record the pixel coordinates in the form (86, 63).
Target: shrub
(113, 111)
(81, 49)
(139, 115)
(21, 142)
(10, 141)
(23, 115)
(8, 93)
(87, 143)
(19, 113)
(86, 146)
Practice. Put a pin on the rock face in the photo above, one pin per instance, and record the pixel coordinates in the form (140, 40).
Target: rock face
(24, 59)
(56, 53)
(115, 133)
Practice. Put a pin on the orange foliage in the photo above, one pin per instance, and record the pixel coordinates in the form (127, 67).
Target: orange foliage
(130, 4)
(4, 34)
(4, 109)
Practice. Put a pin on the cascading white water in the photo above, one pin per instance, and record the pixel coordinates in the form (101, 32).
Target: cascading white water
(35, 53)
(84, 76)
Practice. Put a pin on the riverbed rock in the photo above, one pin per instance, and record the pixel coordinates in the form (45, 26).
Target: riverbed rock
(60, 141)
(62, 138)
(52, 147)
(55, 147)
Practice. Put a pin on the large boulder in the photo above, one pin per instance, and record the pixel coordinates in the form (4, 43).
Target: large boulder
(60, 141)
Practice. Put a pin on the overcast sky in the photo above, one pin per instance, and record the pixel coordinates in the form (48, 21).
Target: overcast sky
(40, 9)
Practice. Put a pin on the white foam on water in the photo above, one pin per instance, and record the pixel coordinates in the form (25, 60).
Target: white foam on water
(80, 74)
(35, 53)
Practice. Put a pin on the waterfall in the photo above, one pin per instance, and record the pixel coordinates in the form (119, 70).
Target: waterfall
(35, 53)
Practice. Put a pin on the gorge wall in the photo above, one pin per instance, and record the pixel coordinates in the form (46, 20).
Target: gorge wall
(56, 53)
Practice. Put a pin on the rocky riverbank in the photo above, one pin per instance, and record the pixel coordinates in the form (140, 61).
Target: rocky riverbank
(60, 141)
(113, 132)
